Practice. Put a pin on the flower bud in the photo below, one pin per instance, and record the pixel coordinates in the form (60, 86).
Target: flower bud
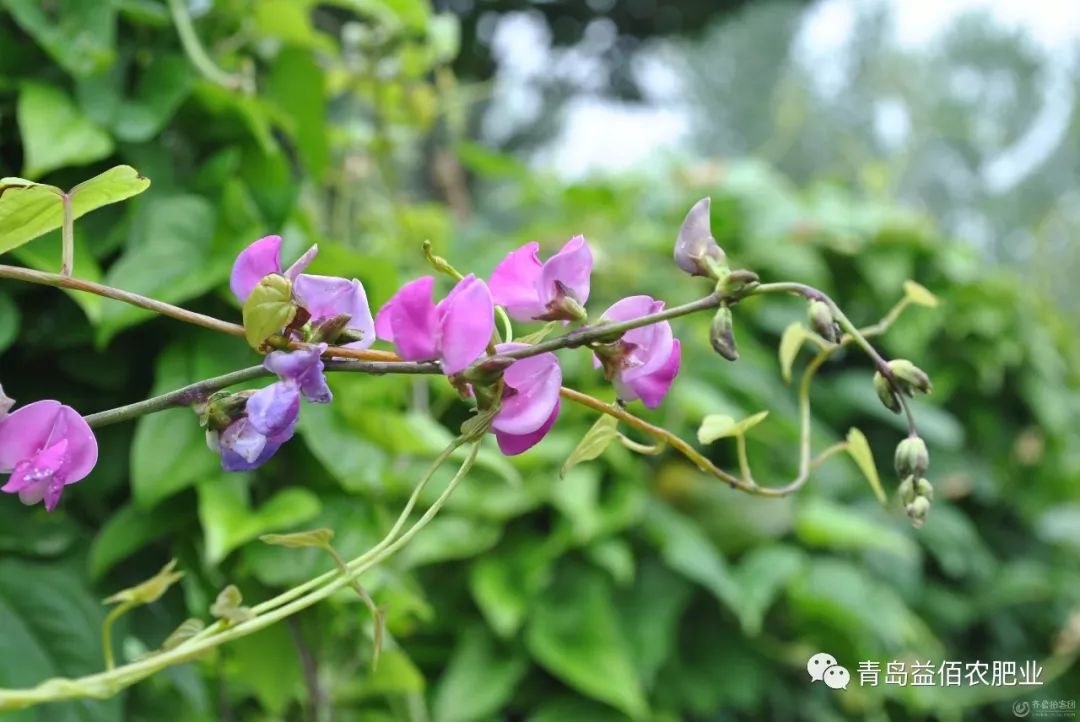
(924, 488)
(696, 251)
(721, 336)
(912, 457)
(5, 403)
(822, 321)
(885, 393)
(906, 491)
(917, 511)
(330, 330)
(736, 282)
(911, 378)
(564, 306)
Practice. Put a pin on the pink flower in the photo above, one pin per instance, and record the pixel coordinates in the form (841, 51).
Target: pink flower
(325, 297)
(555, 290)
(261, 259)
(696, 251)
(457, 330)
(530, 402)
(644, 363)
(45, 446)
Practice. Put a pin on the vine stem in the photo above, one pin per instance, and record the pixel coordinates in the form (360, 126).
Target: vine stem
(67, 237)
(189, 39)
(108, 683)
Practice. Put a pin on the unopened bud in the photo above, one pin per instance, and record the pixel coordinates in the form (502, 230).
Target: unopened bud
(736, 282)
(924, 488)
(332, 329)
(488, 370)
(885, 393)
(906, 491)
(912, 457)
(910, 377)
(822, 321)
(917, 511)
(696, 251)
(721, 336)
(5, 403)
(564, 307)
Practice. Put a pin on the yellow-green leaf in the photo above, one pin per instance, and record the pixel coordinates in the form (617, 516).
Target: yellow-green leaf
(29, 209)
(268, 309)
(918, 294)
(150, 590)
(188, 629)
(859, 448)
(313, 538)
(594, 443)
(790, 343)
(228, 607)
(719, 426)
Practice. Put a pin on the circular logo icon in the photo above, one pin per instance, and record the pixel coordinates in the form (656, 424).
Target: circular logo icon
(1021, 709)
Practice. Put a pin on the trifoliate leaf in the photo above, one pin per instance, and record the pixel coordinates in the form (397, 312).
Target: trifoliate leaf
(719, 426)
(593, 443)
(268, 309)
(859, 448)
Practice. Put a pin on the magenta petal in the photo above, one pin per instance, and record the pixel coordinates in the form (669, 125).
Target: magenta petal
(513, 444)
(411, 320)
(327, 296)
(53, 491)
(40, 467)
(293, 271)
(514, 283)
(652, 389)
(256, 262)
(572, 267)
(629, 308)
(652, 348)
(82, 449)
(466, 322)
(535, 384)
(25, 432)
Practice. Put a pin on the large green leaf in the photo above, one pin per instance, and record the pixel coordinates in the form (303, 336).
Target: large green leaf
(228, 519)
(136, 116)
(267, 663)
(55, 133)
(78, 34)
(479, 680)
(9, 321)
(574, 634)
(127, 531)
(51, 626)
(29, 210)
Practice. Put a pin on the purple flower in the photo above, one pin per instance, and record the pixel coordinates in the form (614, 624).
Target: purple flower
(646, 360)
(45, 446)
(270, 414)
(325, 297)
(5, 404)
(530, 402)
(456, 330)
(555, 290)
(696, 251)
(261, 259)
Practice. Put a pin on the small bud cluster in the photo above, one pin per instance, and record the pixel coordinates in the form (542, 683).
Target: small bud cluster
(916, 493)
(906, 378)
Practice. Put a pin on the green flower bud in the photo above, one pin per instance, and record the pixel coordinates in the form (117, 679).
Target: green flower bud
(906, 491)
(822, 321)
(885, 393)
(721, 336)
(917, 511)
(910, 377)
(912, 457)
(924, 488)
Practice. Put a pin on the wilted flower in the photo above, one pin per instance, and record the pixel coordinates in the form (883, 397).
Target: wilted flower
(530, 401)
(696, 251)
(261, 259)
(270, 414)
(555, 290)
(646, 360)
(457, 330)
(45, 446)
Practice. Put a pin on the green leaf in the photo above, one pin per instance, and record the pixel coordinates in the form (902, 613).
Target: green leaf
(267, 663)
(29, 210)
(593, 444)
(450, 537)
(268, 309)
(51, 626)
(171, 257)
(229, 606)
(355, 462)
(919, 295)
(761, 575)
(149, 591)
(504, 581)
(479, 680)
(9, 321)
(573, 633)
(825, 524)
(229, 521)
(296, 82)
(78, 34)
(790, 343)
(138, 114)
(127, 531)
(859, 449)
(719, 426)
(55, 133)
(300, 539)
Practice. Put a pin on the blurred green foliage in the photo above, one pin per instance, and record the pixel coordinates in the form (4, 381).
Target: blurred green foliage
(633, 587)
